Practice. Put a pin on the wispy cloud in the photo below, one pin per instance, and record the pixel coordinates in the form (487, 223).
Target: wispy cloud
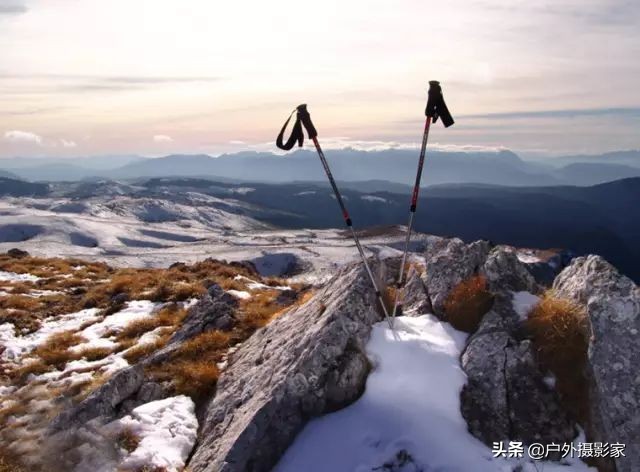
(92, 83)
(162, 138)
(18, 136)
(626, 112)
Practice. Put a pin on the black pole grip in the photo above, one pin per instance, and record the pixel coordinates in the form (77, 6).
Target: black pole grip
(436, 107)
(305, 117)
(297, 136)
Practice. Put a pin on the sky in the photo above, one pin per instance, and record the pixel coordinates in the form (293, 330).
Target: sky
(155, 77)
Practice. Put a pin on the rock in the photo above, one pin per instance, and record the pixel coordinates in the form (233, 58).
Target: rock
(214, 310)
(612, 304)
(505, 397)
(119, 299)
(17, 253)
(286, 297)
(103, 402)
(449, 262)
(505, 272)
(416, 297)
(307, 362)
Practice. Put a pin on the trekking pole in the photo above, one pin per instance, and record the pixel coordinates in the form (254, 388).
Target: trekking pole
(436, 108)
(304, 119)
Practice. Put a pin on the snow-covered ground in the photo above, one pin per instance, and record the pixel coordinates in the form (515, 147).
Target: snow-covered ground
(408, 419)
(130, 232)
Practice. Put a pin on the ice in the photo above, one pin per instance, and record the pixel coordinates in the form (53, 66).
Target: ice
(410, 407)
(523, 303)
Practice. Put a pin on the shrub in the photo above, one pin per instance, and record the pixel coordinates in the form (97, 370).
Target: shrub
(128, 440)
(54, 351)
(560, 330)
(467, 303)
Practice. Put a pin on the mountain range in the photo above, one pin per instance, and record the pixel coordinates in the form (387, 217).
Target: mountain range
(392, 165)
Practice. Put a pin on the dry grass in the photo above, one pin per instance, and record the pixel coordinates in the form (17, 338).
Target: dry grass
(259, 309)
(128, 440)
(20, 302)
(193, 366)
(140, 351)
(93, 353)
(560, 333)
(54, 351)
(9, 463)
(467, 303)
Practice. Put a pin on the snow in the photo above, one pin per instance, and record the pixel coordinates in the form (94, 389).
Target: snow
(523, 303)
(13, 277)
(373, 198)
(528, 258)
(241, 294)
(134, 311)
(167, 430)
(411, 403)
(17, 346)
(254, 285)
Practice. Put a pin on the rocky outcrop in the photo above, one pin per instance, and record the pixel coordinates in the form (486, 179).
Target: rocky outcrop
(449, 262)
(505, 397)
(416, 297)
(612, 304)
(309, 361)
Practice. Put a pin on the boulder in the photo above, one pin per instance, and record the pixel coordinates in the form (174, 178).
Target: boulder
(505, 272)
(17, 253)
(104, 402)
(612, 304)
(309, 361)
(214, 310)
(449, 262)
(505, 397)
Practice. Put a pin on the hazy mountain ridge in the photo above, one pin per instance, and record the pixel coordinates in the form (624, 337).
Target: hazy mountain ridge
(394, 165)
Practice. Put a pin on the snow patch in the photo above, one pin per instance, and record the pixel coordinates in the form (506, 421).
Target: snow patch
(13, 277)
(373, 198)
(409, 413)
(241, 294)
(17, 346)
(523, 303)
(167, 430)
(528, 258)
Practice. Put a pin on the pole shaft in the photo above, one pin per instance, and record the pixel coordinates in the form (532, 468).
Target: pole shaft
(412, 212)
(348, 222)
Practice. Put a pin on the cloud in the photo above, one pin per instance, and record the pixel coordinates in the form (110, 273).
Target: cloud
(68, 143)
(17, 136)
(12, 8)
(567, 113)
(162, 138)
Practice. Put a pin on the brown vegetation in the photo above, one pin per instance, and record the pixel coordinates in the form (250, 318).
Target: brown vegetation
(128, 440)
(467, 303)
(560, 333)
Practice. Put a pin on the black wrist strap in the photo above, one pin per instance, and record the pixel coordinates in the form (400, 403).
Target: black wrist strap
(302, 119)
